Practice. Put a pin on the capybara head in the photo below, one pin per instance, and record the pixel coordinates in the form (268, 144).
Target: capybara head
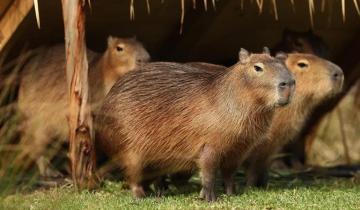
(302, 42)
(316, 78)
(125, 54)
(267, 78)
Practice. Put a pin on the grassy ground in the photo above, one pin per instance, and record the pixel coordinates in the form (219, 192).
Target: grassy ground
(281, 194)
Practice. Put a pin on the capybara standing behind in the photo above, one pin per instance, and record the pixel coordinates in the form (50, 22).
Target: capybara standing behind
(170, 117)
(43, 93)
(316, 80)
(302, 42)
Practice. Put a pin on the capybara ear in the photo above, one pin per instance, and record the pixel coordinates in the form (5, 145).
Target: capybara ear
(281, 56)
(110, 41)
(243, 55)
(266, 50)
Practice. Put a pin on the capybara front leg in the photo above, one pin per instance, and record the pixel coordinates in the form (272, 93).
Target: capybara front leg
(208, 163)
(134, 175)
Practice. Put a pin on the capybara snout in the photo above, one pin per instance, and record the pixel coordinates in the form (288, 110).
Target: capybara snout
(337, 77)
(286, 88)
(327, 78)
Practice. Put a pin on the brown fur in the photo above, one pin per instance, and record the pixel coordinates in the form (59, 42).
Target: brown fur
(314, 85)
(169, 117)
(43, 90)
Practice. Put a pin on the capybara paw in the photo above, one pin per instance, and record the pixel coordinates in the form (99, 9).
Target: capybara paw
(208, 195)
(230, 189)
(261, 183)
(257, 182)
(52, 173)
(138, 192)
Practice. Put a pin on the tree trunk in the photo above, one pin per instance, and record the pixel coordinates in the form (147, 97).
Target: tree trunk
(82, 153)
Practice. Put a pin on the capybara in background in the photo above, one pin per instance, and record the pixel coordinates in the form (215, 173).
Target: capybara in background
(43, 92)
(302, 42)
(170, 117)
(316, 80)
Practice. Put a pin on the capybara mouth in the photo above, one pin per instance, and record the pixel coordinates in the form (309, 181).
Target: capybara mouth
(337, 87)
(283, 102)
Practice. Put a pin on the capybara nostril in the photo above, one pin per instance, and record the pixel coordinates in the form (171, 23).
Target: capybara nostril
(286, 84)
(337, 75)
(143, 59)
(336, 72)
(283, 85)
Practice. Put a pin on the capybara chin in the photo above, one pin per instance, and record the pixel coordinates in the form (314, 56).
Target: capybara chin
(170, 117)
(43, 93)
(316, 80)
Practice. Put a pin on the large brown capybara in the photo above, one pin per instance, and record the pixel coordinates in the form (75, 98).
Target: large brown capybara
(170, 117)
(43, 93)
(316, 80)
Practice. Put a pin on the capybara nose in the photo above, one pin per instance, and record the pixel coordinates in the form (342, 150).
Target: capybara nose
(286, 90)
(144, 58)
(286, 84)
(337, 74)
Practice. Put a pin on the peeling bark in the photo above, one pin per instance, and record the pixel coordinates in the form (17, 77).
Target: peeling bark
(81, 136)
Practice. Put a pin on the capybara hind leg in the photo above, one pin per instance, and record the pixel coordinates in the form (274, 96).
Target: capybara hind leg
(257, 177)
(45, 168)
(257, 173)
(180, 178)
(228, 170)
(33, 146)
(160, 185)
(208, 163)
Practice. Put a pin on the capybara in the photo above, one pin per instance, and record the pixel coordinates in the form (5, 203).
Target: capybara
(316, 80)
(302, 42)
(170, 117)
(43, 92)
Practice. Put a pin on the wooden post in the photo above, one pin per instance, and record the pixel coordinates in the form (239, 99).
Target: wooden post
(14, 15)
(82, 154)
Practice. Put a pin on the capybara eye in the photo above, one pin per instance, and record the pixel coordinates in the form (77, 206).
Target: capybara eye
(258, 68)
(119, 49)
(302, 65)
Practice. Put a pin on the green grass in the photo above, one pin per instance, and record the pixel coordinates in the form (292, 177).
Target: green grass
(281, 194)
